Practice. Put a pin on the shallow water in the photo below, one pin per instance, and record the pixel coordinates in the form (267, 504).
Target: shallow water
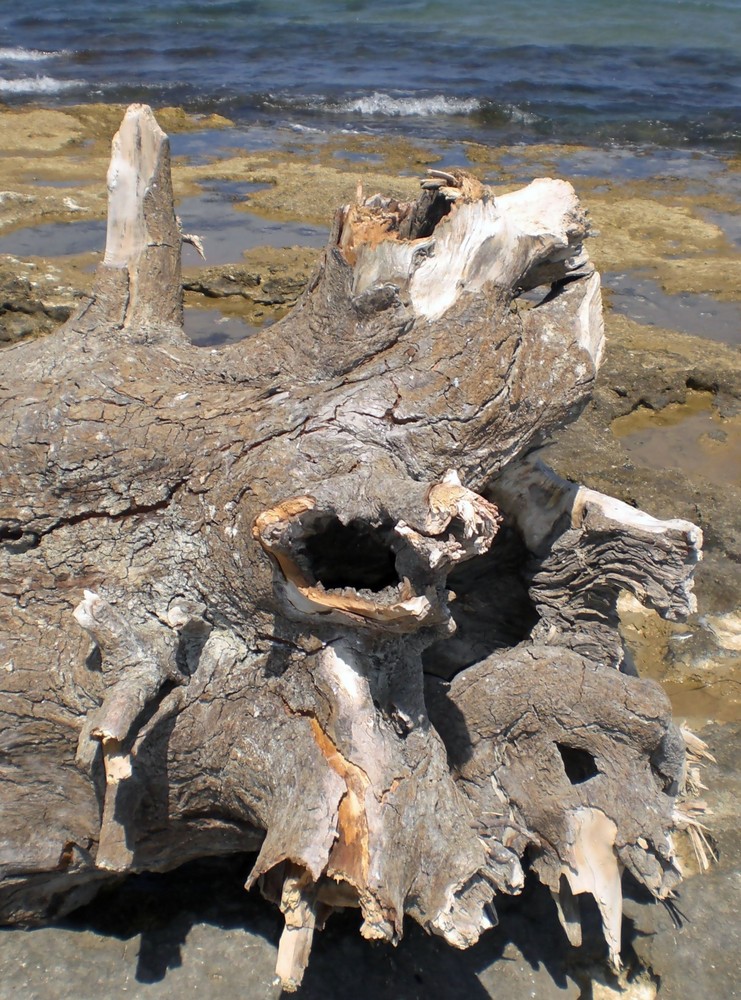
(643, 300)
(204, 145)
(226, 232)
(665, 73)
(55, 239)
(696, 704)
(689, 436)
(212, 328)
(729, 222)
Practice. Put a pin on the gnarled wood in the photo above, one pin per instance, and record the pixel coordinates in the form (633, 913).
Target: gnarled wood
(260, 544)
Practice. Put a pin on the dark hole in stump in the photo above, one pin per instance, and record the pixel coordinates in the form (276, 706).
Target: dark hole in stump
(432, 210)
(492, 610)
(15, 540)
(94, 659)
(579, 764)
(351, 555)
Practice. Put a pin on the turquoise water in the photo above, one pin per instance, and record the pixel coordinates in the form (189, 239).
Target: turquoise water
(666, 73)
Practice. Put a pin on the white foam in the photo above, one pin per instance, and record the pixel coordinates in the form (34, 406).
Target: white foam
(379, 103)
(38, 85)
(27, 55)
(519, 116)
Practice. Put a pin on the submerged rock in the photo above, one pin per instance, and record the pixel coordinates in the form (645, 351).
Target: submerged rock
(34, 299)
(270, 277)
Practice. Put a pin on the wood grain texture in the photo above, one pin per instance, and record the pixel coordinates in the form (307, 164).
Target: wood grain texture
(226, 601)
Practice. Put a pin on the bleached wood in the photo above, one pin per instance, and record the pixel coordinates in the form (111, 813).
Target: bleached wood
(139, 280)
(592, 548)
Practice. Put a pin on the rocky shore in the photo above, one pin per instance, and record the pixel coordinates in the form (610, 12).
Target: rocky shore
(663, 432)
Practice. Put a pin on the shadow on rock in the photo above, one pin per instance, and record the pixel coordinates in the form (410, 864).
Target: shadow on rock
(527, 949)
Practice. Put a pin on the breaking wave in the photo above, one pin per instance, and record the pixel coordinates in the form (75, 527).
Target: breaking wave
(27, 55)
(38, 85)
(379, 103)
(383, 105)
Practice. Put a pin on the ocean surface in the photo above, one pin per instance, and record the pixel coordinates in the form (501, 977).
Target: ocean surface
(604, 72)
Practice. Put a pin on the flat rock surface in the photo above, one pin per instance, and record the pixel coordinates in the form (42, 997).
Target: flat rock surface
(164, 936)
(196, 932)
(694, 947)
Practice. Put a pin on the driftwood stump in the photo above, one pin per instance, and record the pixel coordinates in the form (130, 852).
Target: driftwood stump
(227, 580)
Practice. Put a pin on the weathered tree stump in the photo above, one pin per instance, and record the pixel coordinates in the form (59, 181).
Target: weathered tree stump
(227, 580)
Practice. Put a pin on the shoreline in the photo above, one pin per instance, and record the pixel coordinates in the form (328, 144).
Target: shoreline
(654, 226)
(667, 234)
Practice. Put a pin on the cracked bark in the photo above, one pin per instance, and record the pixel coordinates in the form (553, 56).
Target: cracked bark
(261, 544)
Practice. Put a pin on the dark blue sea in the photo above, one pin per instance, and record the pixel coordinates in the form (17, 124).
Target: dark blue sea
(604, 72)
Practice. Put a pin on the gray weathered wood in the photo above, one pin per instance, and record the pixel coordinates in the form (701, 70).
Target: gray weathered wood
(226, 579)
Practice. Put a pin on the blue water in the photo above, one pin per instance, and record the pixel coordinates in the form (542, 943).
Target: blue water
(664, 73)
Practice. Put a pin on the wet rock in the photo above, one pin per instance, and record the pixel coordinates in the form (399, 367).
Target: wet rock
(272, 276)
(221, 282)
(102, 120)
(693, 945)
(38, 131)
(35, 300)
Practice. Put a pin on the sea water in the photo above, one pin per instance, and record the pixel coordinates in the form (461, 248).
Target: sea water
(601, 72)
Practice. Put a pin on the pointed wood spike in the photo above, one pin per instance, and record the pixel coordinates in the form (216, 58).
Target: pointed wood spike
(593, 867)
(139, 284)
(298, 903)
